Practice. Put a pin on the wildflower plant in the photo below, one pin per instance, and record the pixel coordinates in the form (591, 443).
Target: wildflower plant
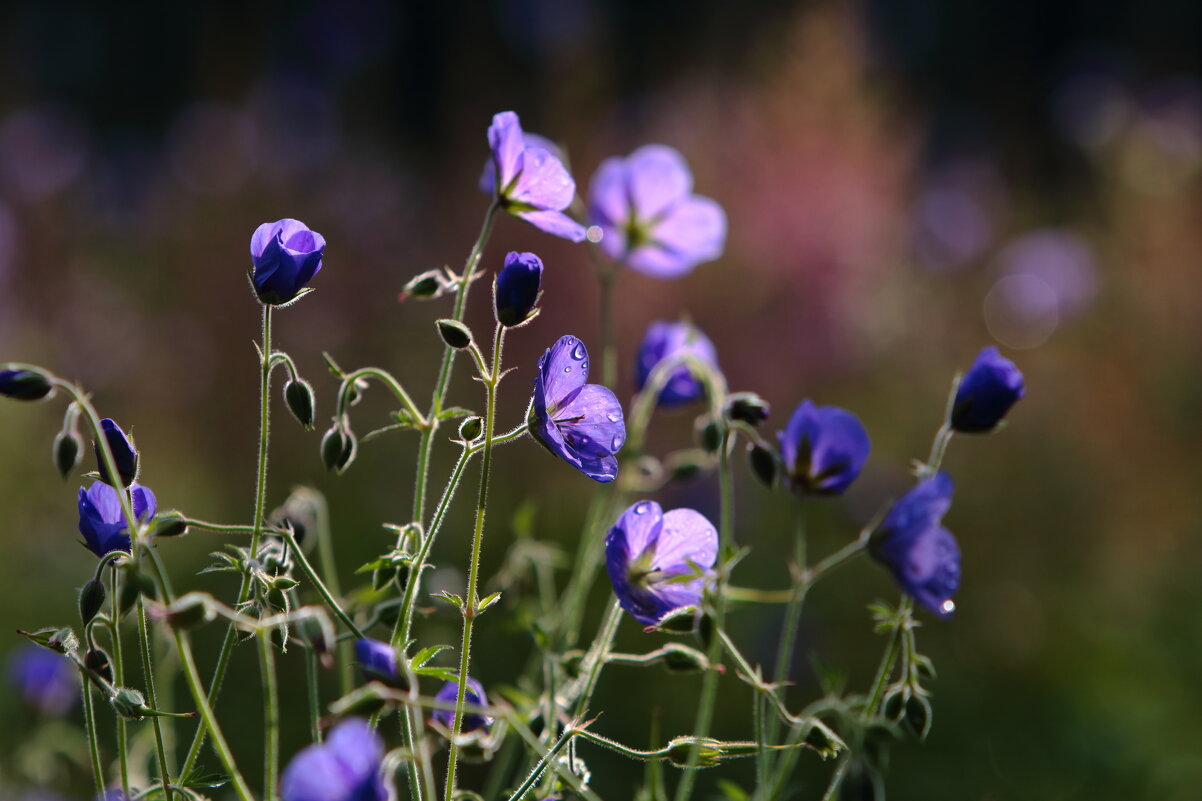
(415, 710)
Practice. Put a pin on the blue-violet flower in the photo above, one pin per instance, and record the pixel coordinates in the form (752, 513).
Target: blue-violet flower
(823, 449)
(649, 217)
(517, 287)
(286, 255)
(378, 660)
(125, 455)
(580, 423)
(529, 179)
(921, 554)
(674, 340)
(346, 767)
(101, 521)
(659, 561)
(990, 387)
(45, 680)
(474, 694)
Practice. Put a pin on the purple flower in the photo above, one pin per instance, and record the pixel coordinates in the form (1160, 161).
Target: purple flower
(529, 178)
(20, 383)
(578, 422)
(659, 561)
(990, 387)
(346, 767)
(286, 255)
(101, 521)
(823, 449)
(668, 341)
(378, 660)
(649, 216)
(125, 455)
(474, 694)
(921, 554)
(517, 287)
(44, 679)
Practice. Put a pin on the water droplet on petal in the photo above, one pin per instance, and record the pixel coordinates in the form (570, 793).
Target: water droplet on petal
(584, 365)
(614, 416)
(578, 351)
(617, 443)
(948, 606)
(568, 369)
(642, 507)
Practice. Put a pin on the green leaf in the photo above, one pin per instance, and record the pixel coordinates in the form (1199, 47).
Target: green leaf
(487, 601)
(454, 412)
(332, 366)
(450, 598)
(423, 656)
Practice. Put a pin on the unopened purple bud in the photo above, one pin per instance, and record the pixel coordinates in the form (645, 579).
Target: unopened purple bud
(990, 387)
(474, 694)
(518, 286)
(378, 660)
(286, 255)
(20, 383)
(125, 456)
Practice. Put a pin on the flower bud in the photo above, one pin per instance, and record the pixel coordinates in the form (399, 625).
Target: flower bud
(917, 717)
(317, 632)
(189, 611)
(681, 620)
(97, 661)
(169, 524)
(454, 333)
(379, 661)
(710, 436)
(763, 464)
(133, 583)
(285, 256)
(424, 286)
(66, 451)
(747, 407)
(706, 751)
(338, 448)
(125, 456)
(470, 428)
(683, 659)
(62, 641)
(91, 599)
(299, 397)
(517, 288)
(129, 703)
(990, 387)
(23, 383)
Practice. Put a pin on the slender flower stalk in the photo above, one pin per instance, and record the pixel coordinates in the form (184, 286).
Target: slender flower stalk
(89, 712)
(598, 657)
(471, 603)
(271, 715)
(152, 699)
(788, 635)
(119, 674)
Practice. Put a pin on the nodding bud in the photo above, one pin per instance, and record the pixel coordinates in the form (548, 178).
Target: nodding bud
(763, 464)
(917, 717)
(189, 611)
(62, 641)
(317, 632)
(424, 286)
(748, 407)
(91, 598)
(701, 752)
(470, 428)
(338, 448)
(169, 524)
(97, 661)
(710, 436)
(125, 456)
(24, 383)
(299, 397)
(683, 659)
(454, 333)
(129, 703)
(681, 620)
(66, 452)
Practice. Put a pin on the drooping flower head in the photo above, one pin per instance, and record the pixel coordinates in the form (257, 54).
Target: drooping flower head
(579, 422)
(659, 561)
(101, 521)
(346, 767)
(650, 218)
(823, 449)
(20, 383)
(673, 340)
(124, 454)
(529, 178)
(286, 255)
(474, 694)
(921, 554)
(45, 680)
(378, 660)
(990, 387)
(517, 287)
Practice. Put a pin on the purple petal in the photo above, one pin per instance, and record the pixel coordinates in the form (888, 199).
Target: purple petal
(602, 468)
(262, 237)
(687, 537)
(638, 527)
(592, 423)
(609, 195)
(556, 223)
(488, 177)
(659, 177)
(357, 747)
(145, 505)
(563, 370)
(314, 774)
(550, 437)
(613, 241)
(694, 231)
(505, 139)
(544, 182)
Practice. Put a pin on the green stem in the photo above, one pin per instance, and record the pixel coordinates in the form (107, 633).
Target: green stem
(597, 657)
(471, 604)
(314, 698)
(385, 378)
(319, 585)
(148, 671)
(938, 448)
(709, 684)
(329, 572)
(887, 660)
(788, 637)
(271, 715)
(836, 779)
(227, 645)
(89, 712)
(534, 775)
(119, 674)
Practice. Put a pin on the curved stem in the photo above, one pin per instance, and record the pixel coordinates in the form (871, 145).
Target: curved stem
(887, 660)
(387, 379)
(320, 586)
(471, 604)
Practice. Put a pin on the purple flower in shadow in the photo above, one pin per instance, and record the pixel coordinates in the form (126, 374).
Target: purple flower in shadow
(101, 521)
(474, 694)
(659, 561)
(346, 767)
(378, 660)
(286, 255)
(45, 680)
(671, 340)
(650, 218)
(579, 422)
(530, 179)
(125, 455)
(990, 387)
(823, 449)
(922, 555)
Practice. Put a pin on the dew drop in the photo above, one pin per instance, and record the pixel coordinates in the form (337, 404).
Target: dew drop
(617, 443)
(578, 351)
(948, 606)
(642, 507)
(584, 365)
(568, 369)
(614, 416)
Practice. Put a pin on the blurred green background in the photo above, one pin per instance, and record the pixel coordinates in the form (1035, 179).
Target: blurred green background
(906, 181)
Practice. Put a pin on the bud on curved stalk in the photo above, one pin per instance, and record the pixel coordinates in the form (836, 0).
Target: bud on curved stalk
(454, 333)
(125, 456)
(97, 662)
(169, 524)
(66, 450)
(298, 395)
(470, 429)
(338, 448)
(91, 599)
(763, 464)
(24, 383)
(747, 407)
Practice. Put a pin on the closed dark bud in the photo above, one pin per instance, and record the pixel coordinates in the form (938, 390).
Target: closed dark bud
(424, 286)
(332, 446)
(97, 661)
(711, 437)
(91, 598)
(470, 428)
(125, 455)
(350, 447)
(681, 620)
(170, 524)
(24, 384)
(895, 703)
(683, 659)
(763, 464)
(66, 452)
(917, 719)
(454, 333)
(748, 407)
(299, 397)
